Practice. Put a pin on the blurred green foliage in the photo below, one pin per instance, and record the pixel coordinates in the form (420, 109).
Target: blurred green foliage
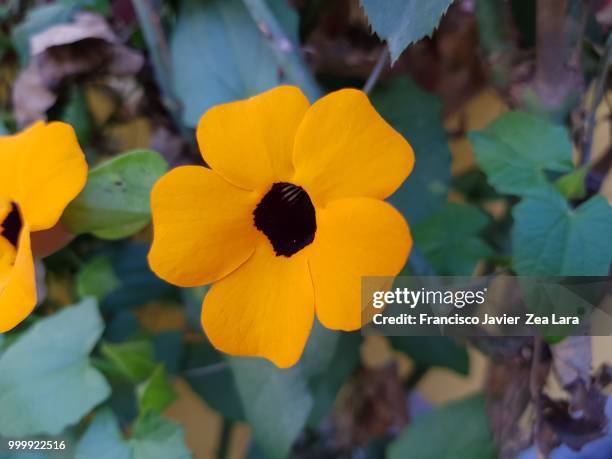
(99, 374)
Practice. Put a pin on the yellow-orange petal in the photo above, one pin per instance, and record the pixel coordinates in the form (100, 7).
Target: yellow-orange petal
(5, 209)
(42, 169)
(263, 309)
(355, 237)
(17, 284)
(250, 142)
(344, 148)
(202, 226)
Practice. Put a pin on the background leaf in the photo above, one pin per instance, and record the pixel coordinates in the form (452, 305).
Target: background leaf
(402, 22)
(213, 381)
(438, 435)
(517, 148)
(276, 402)
(417, 115)
(133, 359)
(153, 437)
(138, 284)
(454, 252)
(572, 185)
(550, 238)
(218, 55)
(97, 278)
(434, 351)
(115, 201)
(46, 380)
(156, 393)
(103, 439)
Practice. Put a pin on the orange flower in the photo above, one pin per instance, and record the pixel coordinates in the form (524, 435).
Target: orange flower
(286, 221)
(41, 170)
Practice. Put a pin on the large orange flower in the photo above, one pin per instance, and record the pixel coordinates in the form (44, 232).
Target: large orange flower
(41, 170)
(287, 219)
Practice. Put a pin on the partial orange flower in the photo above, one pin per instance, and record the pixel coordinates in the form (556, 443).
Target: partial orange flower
(41, 170)
(286, 221)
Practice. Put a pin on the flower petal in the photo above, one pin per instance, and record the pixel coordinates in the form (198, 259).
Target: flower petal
(265, 308)
(202, 226)
(42, 169)
(17, 284)
(250, 142)
(344, 148)
(355, 237)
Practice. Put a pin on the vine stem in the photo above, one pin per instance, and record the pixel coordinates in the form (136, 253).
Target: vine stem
(155, 38)
(535, 390)
(208, 369)
(598, 95)
(225, 439)
(552, 77)
(287, 53)
(383, 58)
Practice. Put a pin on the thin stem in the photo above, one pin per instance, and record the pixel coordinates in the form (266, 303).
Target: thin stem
(535, 390)
(584, 20)
(224, 441)
(207, 370)
(552, 76)
(287, 53)
(598, 95)
(154, 36)
(383, 58)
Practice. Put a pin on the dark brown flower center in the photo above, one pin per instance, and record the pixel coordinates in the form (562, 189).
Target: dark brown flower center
(287, 217)
(11, 226)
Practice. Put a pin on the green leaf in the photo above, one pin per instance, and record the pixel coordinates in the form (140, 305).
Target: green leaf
(434, 351)
(402, 22)
(46, 380)
(3, 128)
(572, 185)
(327, 382)
(459, 430)
(517, 149)
(97, 278)
(133, 359)
(218, 55)
(449, 239)
(552, 239)
(276, 402)
(417, 115)
(139, 285)
(76, 113)
(154, 437)
(115, 201)
(279, 23)
(156, 393)
(103, 439)
(212, 380)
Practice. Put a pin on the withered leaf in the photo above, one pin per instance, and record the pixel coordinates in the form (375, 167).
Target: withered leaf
(86, 47)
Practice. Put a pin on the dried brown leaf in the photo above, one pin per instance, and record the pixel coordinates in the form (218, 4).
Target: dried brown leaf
(86, 47)
(373, 404)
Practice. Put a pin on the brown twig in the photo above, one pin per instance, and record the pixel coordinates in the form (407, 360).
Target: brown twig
(535, 389)
(598, 95)
(584, 20)
(552, 79)
(155, 38)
